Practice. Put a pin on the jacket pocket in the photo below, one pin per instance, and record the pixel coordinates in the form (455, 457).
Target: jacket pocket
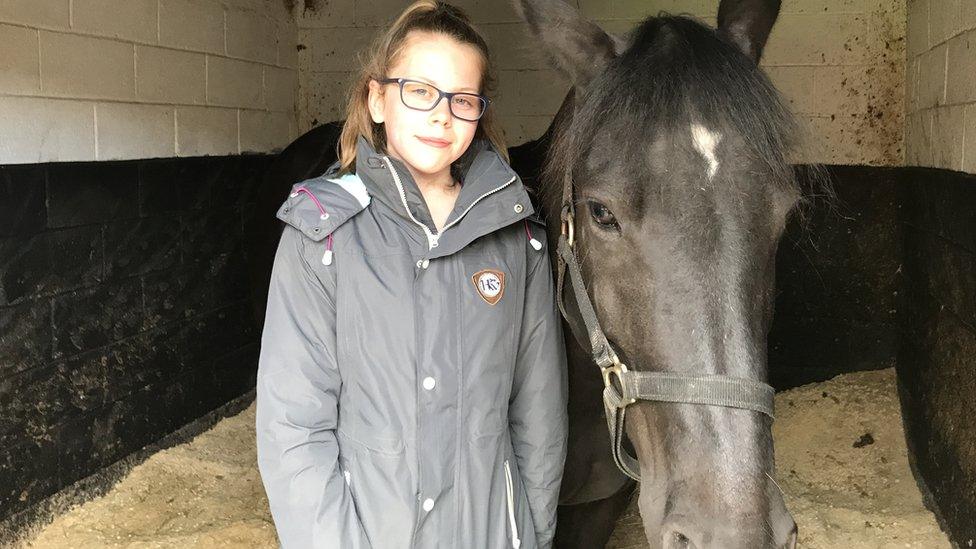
(378, 445)
(510, 502)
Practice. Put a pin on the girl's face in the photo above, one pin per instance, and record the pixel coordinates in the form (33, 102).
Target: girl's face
(451, 67)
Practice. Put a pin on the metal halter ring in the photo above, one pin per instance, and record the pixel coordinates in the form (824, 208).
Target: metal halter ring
(567, 226)
(617, 370)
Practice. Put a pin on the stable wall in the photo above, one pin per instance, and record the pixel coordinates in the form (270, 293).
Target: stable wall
(111, 79)
(941, 84)
(839, 63)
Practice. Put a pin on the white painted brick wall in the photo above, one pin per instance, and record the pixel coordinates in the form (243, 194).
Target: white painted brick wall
(941, 110)
(119, 79)
(839, 63)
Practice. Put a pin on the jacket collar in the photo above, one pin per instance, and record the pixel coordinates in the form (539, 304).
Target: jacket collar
(492, 195)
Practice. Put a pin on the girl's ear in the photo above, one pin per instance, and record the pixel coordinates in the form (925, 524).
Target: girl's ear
(375, 102)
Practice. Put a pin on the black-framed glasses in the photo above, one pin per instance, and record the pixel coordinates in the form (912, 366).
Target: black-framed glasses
(422, 96)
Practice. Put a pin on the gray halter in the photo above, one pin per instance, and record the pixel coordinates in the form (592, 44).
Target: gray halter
(631, 386)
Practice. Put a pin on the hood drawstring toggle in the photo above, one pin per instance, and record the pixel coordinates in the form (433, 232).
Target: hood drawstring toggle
(323, 215)
(536, 245)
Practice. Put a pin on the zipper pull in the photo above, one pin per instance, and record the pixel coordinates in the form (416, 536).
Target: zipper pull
(432, 240)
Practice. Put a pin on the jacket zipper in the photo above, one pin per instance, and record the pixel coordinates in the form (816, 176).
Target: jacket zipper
(516, 542)
(432, 237)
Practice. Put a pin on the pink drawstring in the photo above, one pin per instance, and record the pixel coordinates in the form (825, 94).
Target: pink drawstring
(535, 243)
(327, 258)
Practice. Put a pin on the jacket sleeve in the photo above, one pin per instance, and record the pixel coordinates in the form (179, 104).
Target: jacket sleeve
(296, 408)
(537, 410)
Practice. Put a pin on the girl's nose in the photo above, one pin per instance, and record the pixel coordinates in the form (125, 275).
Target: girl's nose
(441, 113)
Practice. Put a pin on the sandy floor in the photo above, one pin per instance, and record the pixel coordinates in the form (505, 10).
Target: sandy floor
(207, 493)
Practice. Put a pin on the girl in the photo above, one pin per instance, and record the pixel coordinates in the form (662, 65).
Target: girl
(411, 386)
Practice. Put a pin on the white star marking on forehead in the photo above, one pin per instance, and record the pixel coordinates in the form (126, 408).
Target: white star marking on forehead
(705, 142)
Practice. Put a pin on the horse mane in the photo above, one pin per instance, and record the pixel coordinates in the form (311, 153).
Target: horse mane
(677, 70)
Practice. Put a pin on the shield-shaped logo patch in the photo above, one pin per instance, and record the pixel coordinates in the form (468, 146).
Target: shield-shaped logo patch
(490, 284)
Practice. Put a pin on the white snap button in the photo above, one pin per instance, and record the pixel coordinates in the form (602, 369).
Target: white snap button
(324, 216)
(429, 383)
(428, 504)
(420, 264)
(425, 263)
(518, 208)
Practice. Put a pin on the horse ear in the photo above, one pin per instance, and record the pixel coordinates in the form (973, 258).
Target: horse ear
(576, 46)
(746, 24)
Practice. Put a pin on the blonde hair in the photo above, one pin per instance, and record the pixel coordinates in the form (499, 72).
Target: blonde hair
(386, 50)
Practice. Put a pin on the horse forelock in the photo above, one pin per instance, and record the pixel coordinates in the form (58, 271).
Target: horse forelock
(677, 76)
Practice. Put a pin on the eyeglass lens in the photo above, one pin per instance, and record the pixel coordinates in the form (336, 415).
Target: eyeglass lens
(423, 96)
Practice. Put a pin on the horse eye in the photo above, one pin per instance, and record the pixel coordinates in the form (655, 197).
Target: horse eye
(602, 215)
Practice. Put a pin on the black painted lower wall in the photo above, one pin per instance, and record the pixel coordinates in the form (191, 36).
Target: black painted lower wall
(124, 310)
(838, 280)
(937, 347)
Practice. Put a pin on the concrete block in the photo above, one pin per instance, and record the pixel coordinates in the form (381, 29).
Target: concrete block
(969, 132)
(636, 10)
(932, 77)
(824, 39)
(595, 10)
(127, 130)
(280, 88)
(252, 36)
(513, 46)
(847, 140)
(376, 13)
(171, 76)
(36, 130)
(196, 25)
(264, 131)
(82, 66)
(130, 20)
(961, 69)
(948, 125)
(911, 86)
(541, 92)
(492, 11)
(519, 129)
(20, 65)
(913, 132)
(48, 14)
(323, 15)
(323, 97)
(942, 14)
(925, 140)
(286, 43)
(505, 100)
(333, 49)
(202, 131)
(797, 86)
(967, 16)
(234, 83)
(917, 34)
(833, 6)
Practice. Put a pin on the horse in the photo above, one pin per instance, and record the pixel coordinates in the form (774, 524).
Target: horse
(667, 165)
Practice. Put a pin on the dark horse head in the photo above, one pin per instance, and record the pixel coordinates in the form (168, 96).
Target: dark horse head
(676, 146)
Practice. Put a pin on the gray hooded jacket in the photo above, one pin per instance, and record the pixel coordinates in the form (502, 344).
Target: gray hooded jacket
(411, 387)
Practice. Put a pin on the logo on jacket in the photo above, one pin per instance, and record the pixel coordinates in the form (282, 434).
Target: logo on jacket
(490, 284)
